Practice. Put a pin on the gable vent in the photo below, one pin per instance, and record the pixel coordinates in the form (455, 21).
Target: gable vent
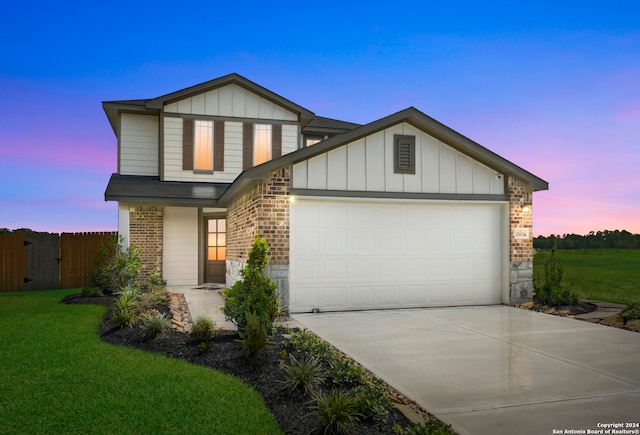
(404, 154)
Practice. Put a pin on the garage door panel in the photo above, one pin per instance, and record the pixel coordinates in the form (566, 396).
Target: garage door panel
(386, 269)
(306, 270)
(388, 242)
(360, 242)
(414, 295)
(334, 269)
(305, 298)
(361, 269)
(333, 298)
(333, 242)
(366, 255)
(414, 268)
(387, 296)
(334, 216)
(307, 242)
(361, 297)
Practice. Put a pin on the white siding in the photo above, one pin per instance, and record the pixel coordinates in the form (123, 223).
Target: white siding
(180, 246)
(123, 222)
(367, 165)
(231, 100)
(138, 144)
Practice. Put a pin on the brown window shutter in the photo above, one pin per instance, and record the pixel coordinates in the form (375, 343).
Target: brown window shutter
(276, 141)
(218, 146)
(187, 144)
(247, 145)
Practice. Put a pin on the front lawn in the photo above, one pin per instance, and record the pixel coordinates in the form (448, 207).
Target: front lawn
(603, 274)
(57, 376)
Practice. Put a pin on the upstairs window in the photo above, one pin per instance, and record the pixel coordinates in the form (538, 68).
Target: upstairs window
(404, 154)
(261, 143)
(203, 146)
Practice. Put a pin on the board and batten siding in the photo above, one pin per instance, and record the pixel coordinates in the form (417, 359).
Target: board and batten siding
(231, 100)
(367, 165)
(180, 246)
(173, 169)
(138, 145)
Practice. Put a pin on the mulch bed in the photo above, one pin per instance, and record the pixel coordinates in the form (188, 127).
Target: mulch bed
(264, 373)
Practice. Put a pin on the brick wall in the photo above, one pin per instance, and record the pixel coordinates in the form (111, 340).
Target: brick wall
(145, 232)
(262, 211)
(520, 195)
(521, 241)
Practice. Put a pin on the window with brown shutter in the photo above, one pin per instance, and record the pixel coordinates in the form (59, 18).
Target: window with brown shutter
(276, 141)
(187, 144)
(404, 152)
(247, 145)
(218, 146)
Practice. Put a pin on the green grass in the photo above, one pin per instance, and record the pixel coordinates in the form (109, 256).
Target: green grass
(603, 274)
(57, 376)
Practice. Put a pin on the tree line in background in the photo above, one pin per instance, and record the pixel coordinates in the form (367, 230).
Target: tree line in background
(594, 240)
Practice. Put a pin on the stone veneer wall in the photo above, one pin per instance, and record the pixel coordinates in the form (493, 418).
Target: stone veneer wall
(145, 232)
(521, 241)
(262, 211)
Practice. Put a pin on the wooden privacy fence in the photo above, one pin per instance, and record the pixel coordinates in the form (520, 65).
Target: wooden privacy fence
(41, 261)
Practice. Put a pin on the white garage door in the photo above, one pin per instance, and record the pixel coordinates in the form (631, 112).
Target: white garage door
(347, 255)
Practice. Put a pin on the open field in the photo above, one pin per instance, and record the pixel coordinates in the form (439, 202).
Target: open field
(58, 377)
(603, 274)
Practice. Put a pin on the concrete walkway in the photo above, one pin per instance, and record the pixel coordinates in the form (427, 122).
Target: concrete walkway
(497, 369)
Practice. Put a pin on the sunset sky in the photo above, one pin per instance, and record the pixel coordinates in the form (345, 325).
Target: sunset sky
(553, 87)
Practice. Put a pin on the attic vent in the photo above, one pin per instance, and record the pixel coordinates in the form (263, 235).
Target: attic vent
(404, 151)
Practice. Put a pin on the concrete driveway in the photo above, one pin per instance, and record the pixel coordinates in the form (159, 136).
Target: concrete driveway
(496, 369)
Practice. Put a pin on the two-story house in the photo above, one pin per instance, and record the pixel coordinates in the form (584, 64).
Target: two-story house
(400, 212)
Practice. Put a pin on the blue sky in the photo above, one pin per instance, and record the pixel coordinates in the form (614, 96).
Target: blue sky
(553, 86)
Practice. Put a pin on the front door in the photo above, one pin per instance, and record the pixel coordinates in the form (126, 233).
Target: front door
(216, 250)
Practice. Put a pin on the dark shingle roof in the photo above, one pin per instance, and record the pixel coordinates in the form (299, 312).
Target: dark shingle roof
(135, 188)
(328, 126)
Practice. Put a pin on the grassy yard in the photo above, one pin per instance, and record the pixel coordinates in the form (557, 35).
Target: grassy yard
(56, 376)
(606, 275)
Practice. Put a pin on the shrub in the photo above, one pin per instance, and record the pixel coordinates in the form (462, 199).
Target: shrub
(370, 392)
(155, 281)
(372, 399)
(204, 329)
(126, 307)
(632, 312)
(255, 336)
(155, 324)
(550, 290)
(117, 266)
(305, 374)
(430, 427)
(336, 412)
(92, 292)
(255, 292)
(156, 297)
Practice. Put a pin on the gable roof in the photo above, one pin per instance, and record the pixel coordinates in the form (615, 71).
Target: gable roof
(155, 105)
(410, 115)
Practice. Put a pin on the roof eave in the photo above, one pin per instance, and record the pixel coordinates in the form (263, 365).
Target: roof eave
(305, 115)
(414, 117)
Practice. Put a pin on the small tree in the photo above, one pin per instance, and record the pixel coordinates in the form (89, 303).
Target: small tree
(255, 292)
(117, 266)
(551, 290)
